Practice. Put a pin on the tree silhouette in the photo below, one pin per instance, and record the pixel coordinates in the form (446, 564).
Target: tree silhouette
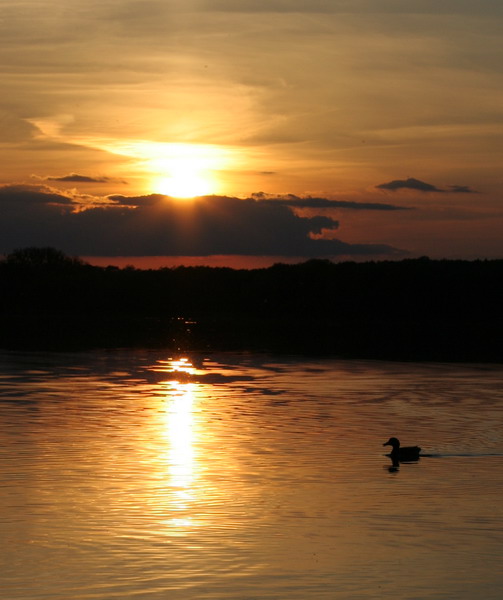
(34, 257)
(407, 310)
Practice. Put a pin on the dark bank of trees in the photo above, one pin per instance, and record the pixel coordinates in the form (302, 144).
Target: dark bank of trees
(405, 310)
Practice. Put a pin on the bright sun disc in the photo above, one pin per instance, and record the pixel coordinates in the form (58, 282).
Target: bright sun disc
(185, 184)
(185, 170)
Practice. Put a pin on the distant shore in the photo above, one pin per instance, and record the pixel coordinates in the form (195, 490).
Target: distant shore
(415, 309)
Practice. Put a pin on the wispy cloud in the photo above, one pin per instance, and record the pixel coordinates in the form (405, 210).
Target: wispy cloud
(358, 6)
(310, 202)
(422, 186)
(75, 178)
(461, 189)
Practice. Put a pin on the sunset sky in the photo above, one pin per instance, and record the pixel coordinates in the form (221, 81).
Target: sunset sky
(344, 129)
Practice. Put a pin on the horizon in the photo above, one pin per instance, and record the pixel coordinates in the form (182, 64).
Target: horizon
(238, 262)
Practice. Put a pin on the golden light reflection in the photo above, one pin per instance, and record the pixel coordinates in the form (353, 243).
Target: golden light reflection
(178, 431)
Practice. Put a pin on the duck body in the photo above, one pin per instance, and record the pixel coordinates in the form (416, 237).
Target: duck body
(402, 452)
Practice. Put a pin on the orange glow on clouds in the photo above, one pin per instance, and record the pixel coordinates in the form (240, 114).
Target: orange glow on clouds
(178, 170)
(181, 170)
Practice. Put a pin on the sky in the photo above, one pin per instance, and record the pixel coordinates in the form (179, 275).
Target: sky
(278, 129)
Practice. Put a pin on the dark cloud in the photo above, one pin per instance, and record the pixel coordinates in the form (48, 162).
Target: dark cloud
(409, 184)
(19, 195)
(309, 202)
(136, 201)
(422, 186)
(157, 225)
(75, 178)
(461, 189)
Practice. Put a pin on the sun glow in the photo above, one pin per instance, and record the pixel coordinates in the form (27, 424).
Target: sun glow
(185, 170)
(181, 170)
(187, 182)
(178, 170)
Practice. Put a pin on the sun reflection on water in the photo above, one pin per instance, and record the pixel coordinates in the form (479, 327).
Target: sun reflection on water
(178, 432)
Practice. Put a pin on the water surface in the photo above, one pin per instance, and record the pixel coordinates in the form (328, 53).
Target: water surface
(144, 475)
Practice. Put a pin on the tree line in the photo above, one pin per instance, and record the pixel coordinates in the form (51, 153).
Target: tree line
(404, 310)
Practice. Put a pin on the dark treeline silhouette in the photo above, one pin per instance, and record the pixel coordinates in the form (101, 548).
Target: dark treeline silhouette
(414, 309)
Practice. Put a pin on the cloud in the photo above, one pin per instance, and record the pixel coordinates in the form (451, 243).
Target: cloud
(409, 184)
(20, 195)
(358, 6)
(461, 189)
(75, 178)
(309, 202)
(15, 129)
(136, 201)
(422, 186)
(157, 225)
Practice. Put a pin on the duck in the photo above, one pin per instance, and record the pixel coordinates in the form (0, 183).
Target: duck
(402, 452)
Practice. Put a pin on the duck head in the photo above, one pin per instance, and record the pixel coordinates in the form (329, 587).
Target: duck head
(394, 442)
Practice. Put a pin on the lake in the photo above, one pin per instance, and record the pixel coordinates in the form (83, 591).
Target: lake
(144, 475)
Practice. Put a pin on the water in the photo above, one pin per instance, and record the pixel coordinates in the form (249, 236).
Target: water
(140, 475)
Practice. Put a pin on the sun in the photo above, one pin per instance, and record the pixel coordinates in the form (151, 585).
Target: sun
(185, 182)
(180, 170)
(185, 170)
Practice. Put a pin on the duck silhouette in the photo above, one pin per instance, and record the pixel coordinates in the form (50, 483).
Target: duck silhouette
(403, 453)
